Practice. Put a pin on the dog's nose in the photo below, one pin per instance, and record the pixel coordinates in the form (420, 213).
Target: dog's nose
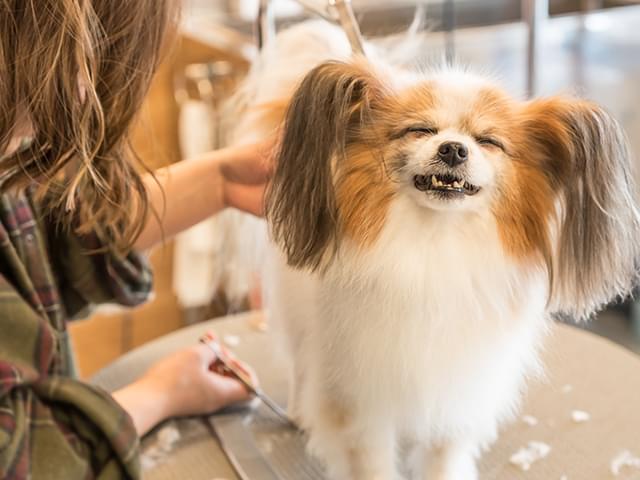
(453, 153)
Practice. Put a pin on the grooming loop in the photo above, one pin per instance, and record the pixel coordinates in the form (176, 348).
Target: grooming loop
(335, 11)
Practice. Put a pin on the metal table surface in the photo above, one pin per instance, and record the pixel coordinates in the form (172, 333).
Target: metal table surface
(584, 372)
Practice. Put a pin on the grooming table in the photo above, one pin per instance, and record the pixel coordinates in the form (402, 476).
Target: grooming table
(585, 373)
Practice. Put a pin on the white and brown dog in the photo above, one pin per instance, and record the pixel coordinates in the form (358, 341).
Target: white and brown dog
(425, 228)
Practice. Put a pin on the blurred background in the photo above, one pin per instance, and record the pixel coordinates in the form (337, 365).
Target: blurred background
(588, 47)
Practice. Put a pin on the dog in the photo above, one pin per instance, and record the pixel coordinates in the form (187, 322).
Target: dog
(425, 229)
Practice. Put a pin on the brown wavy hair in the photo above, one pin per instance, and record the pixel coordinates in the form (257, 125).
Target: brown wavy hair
(77, 71)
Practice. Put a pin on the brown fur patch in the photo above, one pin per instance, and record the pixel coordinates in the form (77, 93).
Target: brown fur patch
(363, 194)
(522, 212)
(408, 108)
(492, 113)
(527, 205)
(337, 414)
(356, 459)
(527, 194)
(415, 101)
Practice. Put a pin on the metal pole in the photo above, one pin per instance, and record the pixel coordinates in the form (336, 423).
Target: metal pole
(340, 12)
(535, 13)
(265, 26)
(337, 11)
(449, 20)
(349, 24)
(419, 19)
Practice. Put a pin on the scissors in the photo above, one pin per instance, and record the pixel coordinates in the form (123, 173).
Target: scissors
(211, 341)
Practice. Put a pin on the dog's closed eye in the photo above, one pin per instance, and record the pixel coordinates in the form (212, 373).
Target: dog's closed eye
(416, 130)
(489, 141)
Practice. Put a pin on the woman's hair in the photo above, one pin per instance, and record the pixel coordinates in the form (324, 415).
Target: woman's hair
(77, 71)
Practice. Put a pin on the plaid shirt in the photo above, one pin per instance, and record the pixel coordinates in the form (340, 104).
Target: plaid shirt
(51, 425)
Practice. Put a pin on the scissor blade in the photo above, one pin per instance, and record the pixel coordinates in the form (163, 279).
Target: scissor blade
(275, 408)
(272, 405)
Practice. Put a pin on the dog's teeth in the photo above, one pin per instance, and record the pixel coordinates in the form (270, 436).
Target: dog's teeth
(456, 184)
(434, 180)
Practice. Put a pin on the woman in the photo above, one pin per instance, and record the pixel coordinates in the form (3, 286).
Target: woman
(73, 208)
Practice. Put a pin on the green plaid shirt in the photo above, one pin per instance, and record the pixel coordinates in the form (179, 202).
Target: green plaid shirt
(53, 426)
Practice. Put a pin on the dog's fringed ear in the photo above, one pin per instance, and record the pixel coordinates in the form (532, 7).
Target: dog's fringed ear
(326, 115)
(597, 242)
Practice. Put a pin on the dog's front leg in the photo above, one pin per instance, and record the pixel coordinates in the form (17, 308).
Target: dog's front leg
(352, 448)
(452, 461)
(296, 379)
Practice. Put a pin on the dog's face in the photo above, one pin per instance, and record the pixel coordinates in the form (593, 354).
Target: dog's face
(553, 174)
(448, 142)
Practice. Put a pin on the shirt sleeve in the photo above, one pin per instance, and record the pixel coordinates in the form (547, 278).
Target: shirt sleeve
(87, 278)
(53, 426)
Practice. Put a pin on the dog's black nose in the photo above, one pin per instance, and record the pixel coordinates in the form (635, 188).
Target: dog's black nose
(453, 153)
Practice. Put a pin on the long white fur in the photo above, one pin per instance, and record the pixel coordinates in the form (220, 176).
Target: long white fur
(427, 337)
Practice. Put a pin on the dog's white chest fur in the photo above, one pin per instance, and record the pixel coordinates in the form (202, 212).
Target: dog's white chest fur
(426, 334)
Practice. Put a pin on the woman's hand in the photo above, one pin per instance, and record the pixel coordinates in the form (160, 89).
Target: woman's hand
(185, 383)
(245, 173)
